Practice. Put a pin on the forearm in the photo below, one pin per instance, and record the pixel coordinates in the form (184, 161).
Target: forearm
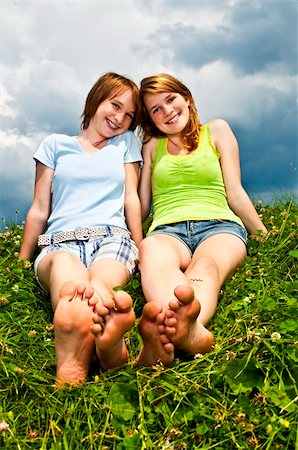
(34, 226)
(132, 208)
(243, 208)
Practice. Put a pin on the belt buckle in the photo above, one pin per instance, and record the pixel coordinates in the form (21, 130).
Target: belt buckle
(81, 233)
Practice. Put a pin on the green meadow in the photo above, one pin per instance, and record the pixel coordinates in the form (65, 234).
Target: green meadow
(242, 395)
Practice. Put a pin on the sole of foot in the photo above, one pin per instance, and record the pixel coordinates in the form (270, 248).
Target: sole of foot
(156, 345)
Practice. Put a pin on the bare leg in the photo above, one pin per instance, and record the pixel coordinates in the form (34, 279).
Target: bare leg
(214, 261)
(160, 262)
(74, 342)
(114, 315)
(157, 346)
(59, 271)
(166, 265)
(109, 327)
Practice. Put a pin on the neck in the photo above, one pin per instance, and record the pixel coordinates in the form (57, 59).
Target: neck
(177, 141)
(93, 139)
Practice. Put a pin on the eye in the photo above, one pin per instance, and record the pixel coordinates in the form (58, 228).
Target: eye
(155, 110)
(171, 99)
(116, 106)
(130, 115)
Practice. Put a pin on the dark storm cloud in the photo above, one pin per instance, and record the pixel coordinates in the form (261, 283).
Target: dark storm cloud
(268, 165)
(257, 39)
(253, 36)
(268, 147)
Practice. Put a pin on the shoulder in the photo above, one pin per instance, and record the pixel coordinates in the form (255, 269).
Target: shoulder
(58, 137)
(52, 140)
(220, 132)
(49, 147)
(127, 137)
(149, 147)
(219, 126)
(223, 138)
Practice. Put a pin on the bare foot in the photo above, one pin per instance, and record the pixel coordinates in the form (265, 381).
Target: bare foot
(109, 327)
(157, 346)
(73, 340)
(182, 325)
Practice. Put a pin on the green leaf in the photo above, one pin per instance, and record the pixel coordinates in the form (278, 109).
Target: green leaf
(135, 283)
(242, 376)
(288, 325)
(132, 442)
(202, 429)
(294, 253)
(281, 399)
(124, 400)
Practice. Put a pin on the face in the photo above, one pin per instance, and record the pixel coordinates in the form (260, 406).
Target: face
(169, 111)
(114, 115)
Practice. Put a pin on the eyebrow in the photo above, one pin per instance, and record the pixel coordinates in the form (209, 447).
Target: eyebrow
(166, 98)
(120, 103)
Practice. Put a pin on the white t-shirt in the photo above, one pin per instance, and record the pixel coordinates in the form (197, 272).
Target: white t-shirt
(87, 188)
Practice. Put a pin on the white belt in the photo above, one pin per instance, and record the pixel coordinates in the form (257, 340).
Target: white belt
(79, 234)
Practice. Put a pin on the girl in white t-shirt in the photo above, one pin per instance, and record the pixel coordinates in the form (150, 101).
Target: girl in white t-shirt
(85, 217)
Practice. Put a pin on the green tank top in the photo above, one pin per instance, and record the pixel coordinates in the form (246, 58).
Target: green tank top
(188, 187)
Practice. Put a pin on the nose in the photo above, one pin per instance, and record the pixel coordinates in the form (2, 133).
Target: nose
(119, 117)
(167, 110)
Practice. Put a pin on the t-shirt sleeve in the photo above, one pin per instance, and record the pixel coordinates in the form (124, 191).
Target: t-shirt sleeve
(46, 152)
(133, 149)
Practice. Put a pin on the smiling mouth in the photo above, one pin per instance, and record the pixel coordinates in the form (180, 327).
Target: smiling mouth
(112, 125)
(173, 119)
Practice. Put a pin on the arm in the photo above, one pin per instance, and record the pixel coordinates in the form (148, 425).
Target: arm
(226, 144)
(145, 191)
(132, 206)
(39, 211)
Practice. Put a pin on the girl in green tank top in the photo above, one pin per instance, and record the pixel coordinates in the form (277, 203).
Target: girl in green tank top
(197, 238)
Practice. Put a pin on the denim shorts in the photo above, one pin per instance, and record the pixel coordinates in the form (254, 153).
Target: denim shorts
(112, 246)
(193, 232)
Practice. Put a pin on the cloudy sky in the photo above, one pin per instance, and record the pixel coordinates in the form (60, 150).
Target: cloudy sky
(238, 57)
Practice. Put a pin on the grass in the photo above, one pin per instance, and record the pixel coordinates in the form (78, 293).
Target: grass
(242, 395)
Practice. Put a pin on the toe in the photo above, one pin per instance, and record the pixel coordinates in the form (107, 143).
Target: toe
(68, 291)
(101, 310)
(123, 301)
(171, 321)
(173, 305)
(96, 328)
(89, 292)
(161, 329)
(170, 313)
(81, 288)
(164, 339)
(184, 294)
(152, 309)
(171, 331)
(160, 318)
(97, 319)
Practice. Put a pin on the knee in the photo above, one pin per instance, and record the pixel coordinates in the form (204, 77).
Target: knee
(60, 259)
(152, 244)
(208, 266)
(146, 248)
(145, 245)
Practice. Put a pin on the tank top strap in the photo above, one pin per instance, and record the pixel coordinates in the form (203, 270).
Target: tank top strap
(161, 150)
(205, 139)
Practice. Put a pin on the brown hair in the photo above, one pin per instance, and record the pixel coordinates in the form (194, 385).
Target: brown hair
(109, 86)
(163, 82)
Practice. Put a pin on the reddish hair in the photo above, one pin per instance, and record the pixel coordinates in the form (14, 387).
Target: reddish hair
(159, 83)
(109, 86)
